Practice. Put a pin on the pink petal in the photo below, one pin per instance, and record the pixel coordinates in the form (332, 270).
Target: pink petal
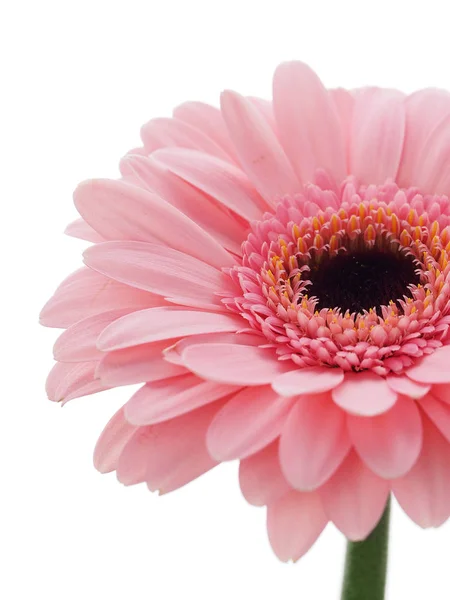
(441, 392)
(354, 498)
(404, 385)
(175, 133)
(160, 270)
(86, 293)
(157, 324)
(260, 476)
(229, 363)
(258, 149)
(344, 102)
(79, 342)
(209, 120)
(294, 523)
(67, 381)
(112, 441)
(377, 135)
(433, 171)
(223, 181)
(162, 400)
(119, 211)
(137, 364)
(390, 443)
(308, 122)
(313, 443)
(424, 492)
(364, 394)
(439, 413)
(252, 419)
(196, 205)
(174, 452)
(307, 381)
(80, 229)
(425, 109)
(433, 368)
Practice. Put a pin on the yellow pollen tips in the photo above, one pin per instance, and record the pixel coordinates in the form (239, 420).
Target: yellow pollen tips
(412, 216)
(353, 223)
(370, 234)
(315, 223)
(296, 232)
(362, 212)
(395, 224)
(405, 238)
(380, 215)
(271, 276)
(318, 241)
(301, 245)
(342, 214)
(334, 243)
(335, 224)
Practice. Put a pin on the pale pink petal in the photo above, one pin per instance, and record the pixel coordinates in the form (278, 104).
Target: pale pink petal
(258, 149)
(425, 109)
(67, 381)
(137, 364)
(223, 181)
(238, 365)
(433, 171)
(404, 385)
(309, 126)
(79, 342)
(156, 324)
(196, 205)
(176, 276)
(377, 135)
(80, 229)
(112, 441)
(175, 133)
(433, 368)
(209, 120)
(294, 522)
(252, 419)
(354, 498)
(344, 102)
(364, 394)
(314, 442)
(307, 381)
(174, 452)
(265, 107)
(119, 211)
(162, 400)
(260, 476)
(438, 412)
(86, 293)
(390, 443)
(424, 492)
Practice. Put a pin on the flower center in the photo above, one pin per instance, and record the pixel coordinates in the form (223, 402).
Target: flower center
(362, 280)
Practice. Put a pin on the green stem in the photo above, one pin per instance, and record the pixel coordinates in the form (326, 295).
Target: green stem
(366, 562)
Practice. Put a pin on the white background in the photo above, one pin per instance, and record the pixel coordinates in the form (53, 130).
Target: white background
(78, 79)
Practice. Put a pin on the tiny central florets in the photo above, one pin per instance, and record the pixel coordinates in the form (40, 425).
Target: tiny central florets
(357, 279)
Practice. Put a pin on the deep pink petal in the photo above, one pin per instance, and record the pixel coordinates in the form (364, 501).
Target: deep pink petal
(176, 276)
(377, 135)
(424, 492)
(260, 476)
(390, 443)
(119, 211)
(354, 498)
(438, 412)
(157, 324)
(258, 149)
(238, 365)
(137, 364)
(162, 400)
(312, 380)
(294, 522)
(313, 443)
(112, 441)
(433, 368)
(309, 125)
(364, 394)
(86, 293)
(252, 419)
(403, 385)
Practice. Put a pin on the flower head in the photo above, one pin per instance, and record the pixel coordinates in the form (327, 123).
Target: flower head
(276, 274)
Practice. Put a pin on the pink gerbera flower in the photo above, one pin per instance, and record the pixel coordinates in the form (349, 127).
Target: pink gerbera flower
(276, 274)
